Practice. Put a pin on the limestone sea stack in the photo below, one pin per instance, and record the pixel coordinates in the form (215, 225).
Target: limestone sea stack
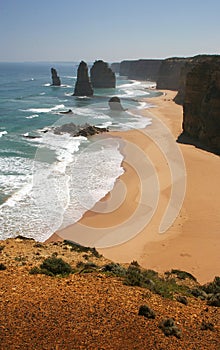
(115, 104)
(83, 85)
(102, 75)
(55, 78)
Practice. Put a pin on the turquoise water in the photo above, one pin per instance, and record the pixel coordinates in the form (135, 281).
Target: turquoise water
(52, 176)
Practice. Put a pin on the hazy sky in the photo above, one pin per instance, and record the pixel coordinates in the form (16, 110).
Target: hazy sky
(70, 30)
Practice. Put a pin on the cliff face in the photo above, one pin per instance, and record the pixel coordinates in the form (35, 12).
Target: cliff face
(115, 67)
(102, 76)
(83, 85)
(55, 79)
(141, 69)
(169, 73)
(201, 108)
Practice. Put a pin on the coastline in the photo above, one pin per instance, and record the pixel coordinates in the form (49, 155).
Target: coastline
(192, 243)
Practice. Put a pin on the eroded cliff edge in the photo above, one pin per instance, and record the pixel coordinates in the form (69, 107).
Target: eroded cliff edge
(201, 107)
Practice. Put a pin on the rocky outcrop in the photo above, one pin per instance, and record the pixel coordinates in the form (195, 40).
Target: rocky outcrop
(55, 78)
(102, 76)
(115, 104)
(83, 85)
(115, 67)
(169, 73)
(79, 130)
(201, 107)
(141, 69)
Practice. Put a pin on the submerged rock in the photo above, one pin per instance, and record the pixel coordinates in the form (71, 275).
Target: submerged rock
(83, 85)
(102, 76)
(55, 78)
(115, 104)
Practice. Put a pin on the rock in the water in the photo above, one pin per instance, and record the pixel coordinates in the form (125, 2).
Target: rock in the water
(115, 104)
(79, 130)
(55, 78)
(201, 108)
(102, 76)
(83, 85)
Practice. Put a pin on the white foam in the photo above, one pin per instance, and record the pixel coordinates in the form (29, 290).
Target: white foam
(44, 110)
(3, 133)
(32, 116)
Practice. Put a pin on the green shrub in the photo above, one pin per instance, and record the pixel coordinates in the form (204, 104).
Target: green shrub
(114, 269)
(146, 311)
(212, 287)
(34, 271)
(181, 274)
(79, 248)
(55, 266)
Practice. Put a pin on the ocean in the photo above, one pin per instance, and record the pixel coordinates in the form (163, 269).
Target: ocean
(49, 181)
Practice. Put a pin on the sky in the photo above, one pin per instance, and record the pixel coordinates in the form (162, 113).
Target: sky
(114, 30)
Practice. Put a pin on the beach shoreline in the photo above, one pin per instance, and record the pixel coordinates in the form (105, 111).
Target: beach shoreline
(192, 242)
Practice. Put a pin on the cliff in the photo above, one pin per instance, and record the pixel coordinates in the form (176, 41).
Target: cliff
(141, 69)
(201, 107)
(169, 73)
(187, 67)
(55, 78)
(115, 67)
(83, 85)
(102, 76)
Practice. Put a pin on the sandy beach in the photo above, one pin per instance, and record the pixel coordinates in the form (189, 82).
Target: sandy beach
(130, 216)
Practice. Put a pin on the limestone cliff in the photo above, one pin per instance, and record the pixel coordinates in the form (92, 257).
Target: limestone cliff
(102, 76)
(169, 73)
(201, 108)
(141, 69)
(83, 85)
(115, 67)
(55, 78)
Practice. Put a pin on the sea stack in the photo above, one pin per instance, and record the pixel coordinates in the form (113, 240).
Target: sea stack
(55, 78)
(102, 75)
(115, 104)
(83, 85)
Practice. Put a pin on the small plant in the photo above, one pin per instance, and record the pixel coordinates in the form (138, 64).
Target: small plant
(169, 328)
(207, 326)
(34, 271)
(1, 248)
(146, 311)
(86, 267)
(79, 248)
(55, 266)
(214, 300)
(114, 269)
(212, 287)
(182, 275)
(182, 299)
(2, 267)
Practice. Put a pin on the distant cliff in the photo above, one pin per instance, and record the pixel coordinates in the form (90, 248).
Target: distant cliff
(83, 85)
(115, 67)
(102, 76)
(201, 107)
(140, 69)
(169, 73)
